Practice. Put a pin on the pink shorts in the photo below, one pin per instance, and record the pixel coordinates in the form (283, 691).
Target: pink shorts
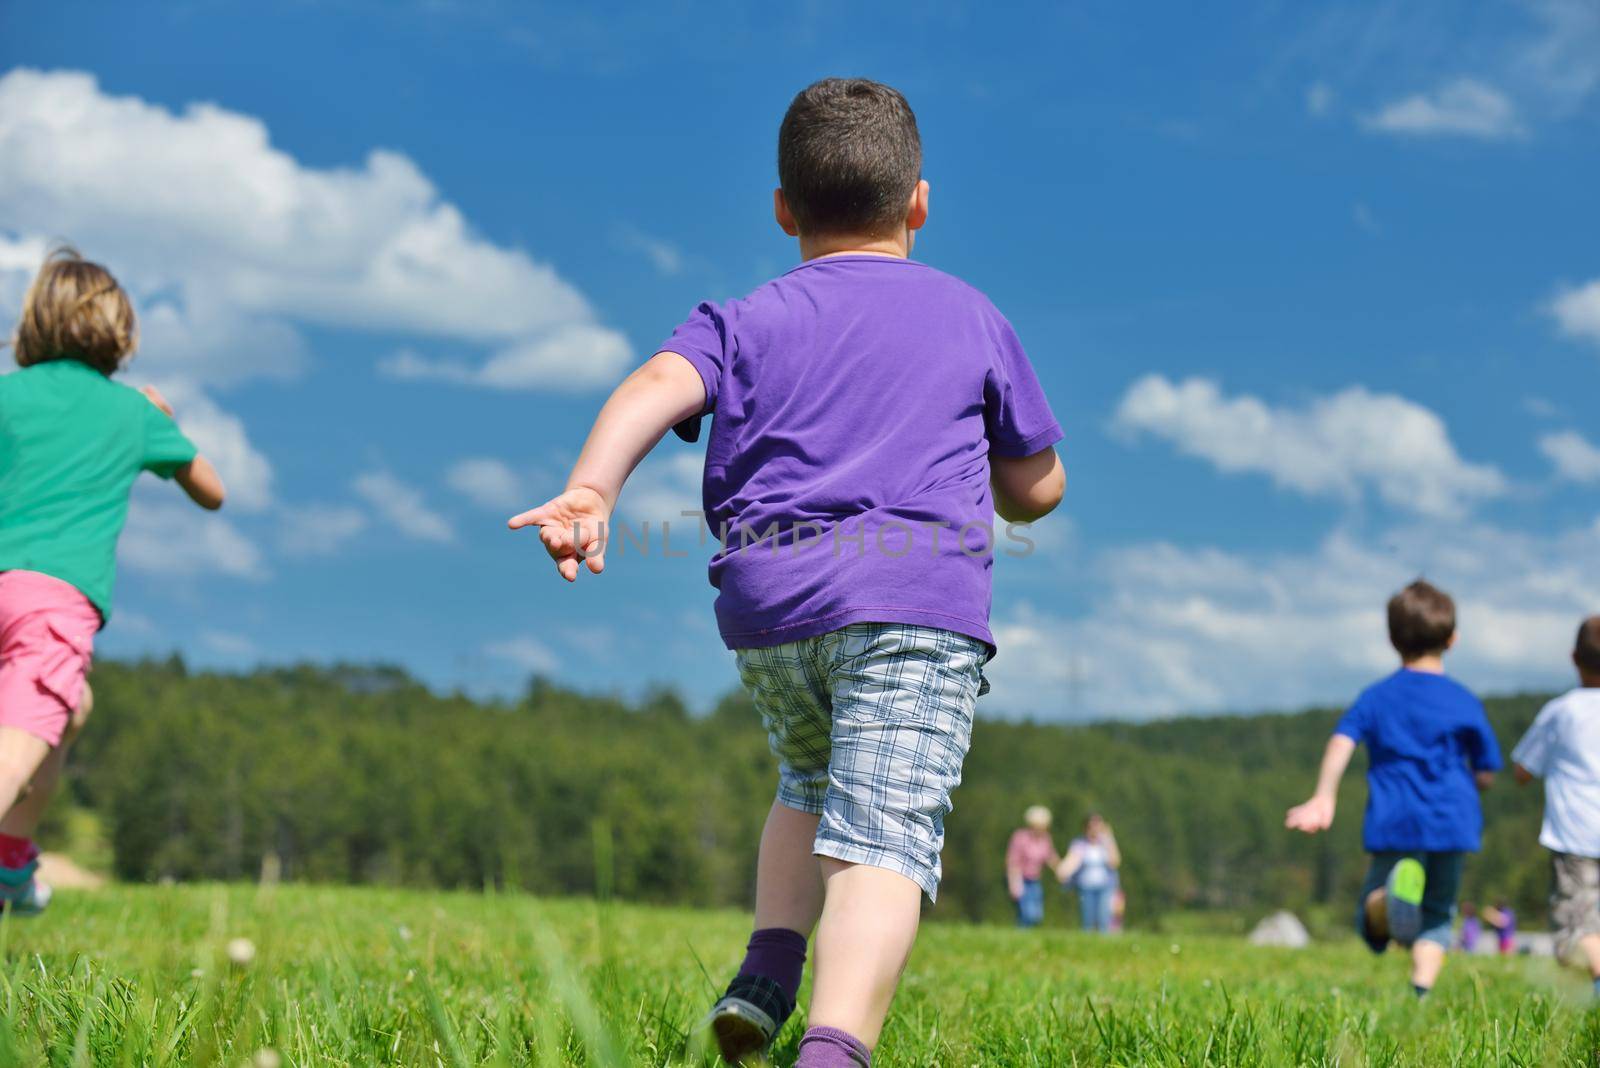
(47, 631)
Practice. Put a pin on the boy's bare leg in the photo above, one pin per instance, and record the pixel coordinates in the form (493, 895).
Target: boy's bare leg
(23, 817)
(869, 922)
(788, 882)
(1377, 914)
(1427, 960)
(1590, 944)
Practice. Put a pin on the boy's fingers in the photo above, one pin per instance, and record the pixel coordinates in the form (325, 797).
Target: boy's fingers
(533, 517)
(558, 540)
(596, 562)
(568, 566)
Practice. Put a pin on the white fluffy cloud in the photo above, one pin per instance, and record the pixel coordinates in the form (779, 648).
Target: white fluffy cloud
(169, 536)
(403, 507)
(319, 529)
(1464, 107)
(1339, 445)
(488, 482)
(1577, 311)
(525, 654)
(1574, 456)
(228, 242)
(1173, 630)
(666, 485)
(570, 358)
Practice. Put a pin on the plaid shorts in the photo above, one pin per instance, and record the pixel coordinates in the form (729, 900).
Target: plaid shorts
(1574, 901)
(870, 724)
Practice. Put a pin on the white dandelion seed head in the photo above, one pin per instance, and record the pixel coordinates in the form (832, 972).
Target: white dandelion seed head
(241, 951)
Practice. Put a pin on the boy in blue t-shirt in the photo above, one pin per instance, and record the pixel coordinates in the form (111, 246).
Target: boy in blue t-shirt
(1430, 751)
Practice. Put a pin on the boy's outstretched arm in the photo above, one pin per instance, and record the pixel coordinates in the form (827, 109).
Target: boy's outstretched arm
(664, 391)
(1027, 488)
(1521, 774)
(1316, 814)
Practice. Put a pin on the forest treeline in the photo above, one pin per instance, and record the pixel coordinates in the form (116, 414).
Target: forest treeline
(363, 775)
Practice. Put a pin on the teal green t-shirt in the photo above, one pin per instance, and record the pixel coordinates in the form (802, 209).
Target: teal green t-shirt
(71, 443)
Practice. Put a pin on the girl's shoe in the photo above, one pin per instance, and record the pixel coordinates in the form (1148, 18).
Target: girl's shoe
(24, 897)
(1402, 900)
(748, 1018)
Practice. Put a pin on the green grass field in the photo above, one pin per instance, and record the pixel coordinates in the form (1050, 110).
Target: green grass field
(144, 975)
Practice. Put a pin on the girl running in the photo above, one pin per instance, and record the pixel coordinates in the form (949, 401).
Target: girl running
(72, 442)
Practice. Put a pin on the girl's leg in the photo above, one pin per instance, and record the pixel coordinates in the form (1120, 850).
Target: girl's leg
(21, 756)
(24, 816)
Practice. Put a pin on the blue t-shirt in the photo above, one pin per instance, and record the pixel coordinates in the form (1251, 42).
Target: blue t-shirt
(1425, 736)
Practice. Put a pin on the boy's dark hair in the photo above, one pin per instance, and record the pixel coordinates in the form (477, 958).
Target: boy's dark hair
(1422, 619)
(1586, 653)
(849, 156)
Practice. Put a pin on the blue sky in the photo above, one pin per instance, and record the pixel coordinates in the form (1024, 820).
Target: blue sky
(1315, 294)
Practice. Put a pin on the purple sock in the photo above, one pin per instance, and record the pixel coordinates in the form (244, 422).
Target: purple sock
(829, 1047)
(778, 954)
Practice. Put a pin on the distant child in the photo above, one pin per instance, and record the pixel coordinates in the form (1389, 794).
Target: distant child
(871, 416)
(1030, 851)
(1502, 920)
(1430, 751)
(1563, 748)
(71, 444)
(1471, 928)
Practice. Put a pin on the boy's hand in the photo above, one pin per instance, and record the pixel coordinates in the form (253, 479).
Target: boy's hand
(1313, 816)
(573, 529)
(153, 395)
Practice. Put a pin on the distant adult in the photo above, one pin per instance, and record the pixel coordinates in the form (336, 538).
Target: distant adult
(1091, 866)
(1030, 852)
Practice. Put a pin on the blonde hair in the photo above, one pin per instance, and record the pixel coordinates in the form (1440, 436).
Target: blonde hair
(75, 310)
(1037, 817)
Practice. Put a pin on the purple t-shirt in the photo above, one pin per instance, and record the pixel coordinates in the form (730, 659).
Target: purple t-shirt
(856, 401)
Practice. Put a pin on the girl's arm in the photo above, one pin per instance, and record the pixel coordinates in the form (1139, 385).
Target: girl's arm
(202, 483)
(664, 391)
(1316, 814)
(1113, 854)
(197, 477)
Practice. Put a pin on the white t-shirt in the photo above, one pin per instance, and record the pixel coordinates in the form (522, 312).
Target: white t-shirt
(1563, 748)
(1095, 870)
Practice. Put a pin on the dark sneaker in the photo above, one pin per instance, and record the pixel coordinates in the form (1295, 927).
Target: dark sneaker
(748, 1018)
(1402, 900)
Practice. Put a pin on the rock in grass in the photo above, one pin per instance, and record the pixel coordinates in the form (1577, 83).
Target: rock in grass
(1282, 929)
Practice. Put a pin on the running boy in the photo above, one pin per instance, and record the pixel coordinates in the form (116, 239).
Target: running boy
(871, 416)
(71, 444)
(1423, 732)
(1563, 748)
